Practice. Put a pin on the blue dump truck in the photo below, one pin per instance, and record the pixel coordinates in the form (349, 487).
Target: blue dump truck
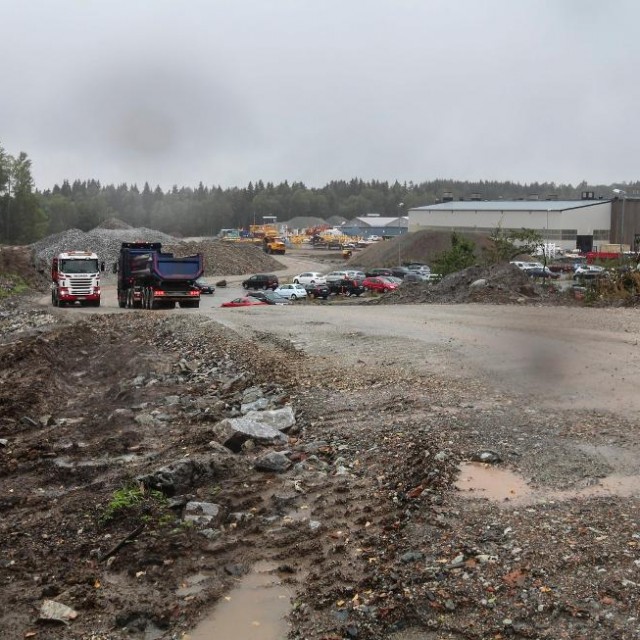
(151, 279)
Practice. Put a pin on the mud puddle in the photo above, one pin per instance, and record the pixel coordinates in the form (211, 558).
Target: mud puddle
(255, 609)
(477, 480)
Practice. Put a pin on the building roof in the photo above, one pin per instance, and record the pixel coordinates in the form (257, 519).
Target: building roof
(377, 221)
(510, 205)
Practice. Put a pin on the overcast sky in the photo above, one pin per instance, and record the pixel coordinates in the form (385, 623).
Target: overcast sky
(228, 91)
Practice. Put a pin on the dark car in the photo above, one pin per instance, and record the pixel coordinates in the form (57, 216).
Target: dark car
(347, 287)
(399, 272)
(542, 273)
(378, 271)
(317, 290)
(204, 287)
(262, 281)
(268, 296)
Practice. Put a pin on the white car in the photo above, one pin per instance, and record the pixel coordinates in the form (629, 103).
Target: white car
(291, 291)
(527, 265)
(588, 268)
(309, 277)
(335, 276)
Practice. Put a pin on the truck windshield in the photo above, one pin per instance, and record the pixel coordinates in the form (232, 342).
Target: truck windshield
(79, 266)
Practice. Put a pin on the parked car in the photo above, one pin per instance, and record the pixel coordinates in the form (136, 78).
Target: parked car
(544, 272)
(356, 275)
(347, 287)
(416, 276)
(590, 275)
(588, 268)
(419, 266)
(379, 285)
(524, 265)
(261, 281)
(378, 271)
(246, 301)
(309, 277)
(291, 291)
(204, 287)
(268, 296)
(335, 276)
(318, 290)
(399, 272)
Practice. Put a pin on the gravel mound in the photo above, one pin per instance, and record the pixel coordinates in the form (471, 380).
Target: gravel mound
(104, 242)
(220, 257)
(418, 246)
(227, 258)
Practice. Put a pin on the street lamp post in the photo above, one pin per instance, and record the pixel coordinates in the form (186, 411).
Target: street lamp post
(400, 205)
(622, 193)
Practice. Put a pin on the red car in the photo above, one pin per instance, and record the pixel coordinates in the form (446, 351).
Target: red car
(379, 285)
(246, 301)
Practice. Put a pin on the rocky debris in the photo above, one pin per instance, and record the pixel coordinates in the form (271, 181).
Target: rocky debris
(202, 513)
(233, 433)
(274, 461)
(496, 284)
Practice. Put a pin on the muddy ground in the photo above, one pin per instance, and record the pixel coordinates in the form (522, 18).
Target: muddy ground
(110, 427)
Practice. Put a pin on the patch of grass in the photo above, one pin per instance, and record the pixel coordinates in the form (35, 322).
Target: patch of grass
(11, 285)
(133, 498)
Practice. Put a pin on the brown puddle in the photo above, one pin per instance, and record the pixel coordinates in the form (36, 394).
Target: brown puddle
(255, 609)
(477, 480)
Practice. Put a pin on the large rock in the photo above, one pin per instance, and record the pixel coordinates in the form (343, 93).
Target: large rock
(274, 461)
(280, 419)
(234, 432)
(180, 475)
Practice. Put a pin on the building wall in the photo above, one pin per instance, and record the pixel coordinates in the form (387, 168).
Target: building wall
(560, 227)
(629, 224)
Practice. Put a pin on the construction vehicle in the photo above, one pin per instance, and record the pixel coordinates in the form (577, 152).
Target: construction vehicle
(75, 277)
(273, 244)
(150, 279)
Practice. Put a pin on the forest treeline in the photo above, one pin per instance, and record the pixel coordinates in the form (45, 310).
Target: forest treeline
(28, 214)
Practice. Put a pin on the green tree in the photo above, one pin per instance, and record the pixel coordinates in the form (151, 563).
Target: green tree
(460, 256)
(28, 221)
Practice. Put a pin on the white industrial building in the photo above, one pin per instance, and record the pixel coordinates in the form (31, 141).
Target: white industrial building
(569, 224)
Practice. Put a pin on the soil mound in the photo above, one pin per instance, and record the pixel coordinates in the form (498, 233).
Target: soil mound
(17, 264)
(227, 258)
(418, 246)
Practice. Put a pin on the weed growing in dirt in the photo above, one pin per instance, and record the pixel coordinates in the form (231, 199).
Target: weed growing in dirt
(11, 285)
(131, 498)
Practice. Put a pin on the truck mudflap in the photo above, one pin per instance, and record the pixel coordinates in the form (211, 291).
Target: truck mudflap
(152, 298)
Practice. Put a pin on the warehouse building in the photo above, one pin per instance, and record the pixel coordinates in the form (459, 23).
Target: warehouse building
(569, 224)
(373, 224)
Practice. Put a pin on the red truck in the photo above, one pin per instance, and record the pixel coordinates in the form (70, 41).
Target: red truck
(75, 277)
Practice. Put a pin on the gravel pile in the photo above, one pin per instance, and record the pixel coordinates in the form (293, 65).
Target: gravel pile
(220, 258)
(104, 242)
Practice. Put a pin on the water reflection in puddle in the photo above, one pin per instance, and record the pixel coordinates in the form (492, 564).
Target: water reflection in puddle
(477, 480)
(255, 609)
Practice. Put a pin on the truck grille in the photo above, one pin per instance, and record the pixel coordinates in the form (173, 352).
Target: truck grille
(80, 286)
